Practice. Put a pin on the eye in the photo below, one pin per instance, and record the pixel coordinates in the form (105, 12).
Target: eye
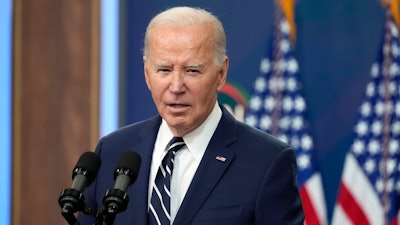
(163, 71)
(193, 71)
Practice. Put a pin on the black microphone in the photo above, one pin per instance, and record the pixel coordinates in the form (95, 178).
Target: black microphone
(71, 199)
(125, 174)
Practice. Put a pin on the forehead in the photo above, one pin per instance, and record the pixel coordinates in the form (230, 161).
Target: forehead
(173, 42)
(185, 36)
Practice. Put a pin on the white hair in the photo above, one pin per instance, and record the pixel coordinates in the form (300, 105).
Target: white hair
(186, 16)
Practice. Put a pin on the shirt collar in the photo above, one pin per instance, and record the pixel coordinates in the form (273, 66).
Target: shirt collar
(197, 140)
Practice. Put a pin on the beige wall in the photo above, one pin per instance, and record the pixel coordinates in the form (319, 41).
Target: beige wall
(55, 101)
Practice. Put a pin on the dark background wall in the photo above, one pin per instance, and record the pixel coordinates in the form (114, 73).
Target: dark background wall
(337, 42)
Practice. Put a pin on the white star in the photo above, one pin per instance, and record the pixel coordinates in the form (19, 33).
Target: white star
(255, 103)
(375, 70)
(358, 147)
(369, 166)
(292, 66)
(265, 65)
(391, 166)
(370, 89)
(393, 29)
(251, 120)
(260, 85)
(284, 123)
(298, 123)
(379, 108)
(300, 104)
(303, 161)
(374, 147)
(265, 122)
(269, 103)
(365, 109)
(361, 128)
(394, 68)
(285, 45)
(379, 185)
(285, 28)
(291, 84)
(397, 109)
(287, 104)
(396, 128)
(306, 142)
(283, 138)
(376, 127)
(393, 146)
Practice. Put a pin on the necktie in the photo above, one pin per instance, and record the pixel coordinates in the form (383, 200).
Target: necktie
(159, 213)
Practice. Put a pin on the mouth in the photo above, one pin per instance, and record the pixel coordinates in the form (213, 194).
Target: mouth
(177, 105)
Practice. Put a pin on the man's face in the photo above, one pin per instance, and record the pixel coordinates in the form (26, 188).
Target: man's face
(182, 76)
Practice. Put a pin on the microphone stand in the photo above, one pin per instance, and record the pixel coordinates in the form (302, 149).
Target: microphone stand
(115, 201)
(72, 201)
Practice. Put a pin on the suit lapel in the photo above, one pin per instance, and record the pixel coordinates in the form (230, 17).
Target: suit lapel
(139, 190)
(214, 163)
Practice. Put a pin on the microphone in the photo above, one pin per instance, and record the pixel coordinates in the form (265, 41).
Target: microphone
(71, 199)
(125, 174)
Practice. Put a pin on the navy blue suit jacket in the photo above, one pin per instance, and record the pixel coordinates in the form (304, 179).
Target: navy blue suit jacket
(256, 184)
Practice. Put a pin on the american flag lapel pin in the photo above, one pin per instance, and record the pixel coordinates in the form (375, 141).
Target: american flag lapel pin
(220, 158)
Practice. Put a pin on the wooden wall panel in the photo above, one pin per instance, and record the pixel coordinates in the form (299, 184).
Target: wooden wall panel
(55, 114)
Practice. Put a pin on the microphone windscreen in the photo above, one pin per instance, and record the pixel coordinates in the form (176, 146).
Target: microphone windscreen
(90, 162)
(129, 161)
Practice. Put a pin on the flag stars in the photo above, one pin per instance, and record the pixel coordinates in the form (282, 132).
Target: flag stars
(375, 70)
(374, 147)
(358, 147)
(291, 84)
(393, 147)
(260, 84)
(287, 104)
(361, 128)
(300, 104)
(370, 90)
(285, 46)
(251, 120)
(292, 66)
(297, 123)
(265, 65)
(265, 122)
(365, 109)
(396, 128)
(369, 166)
(397, 109)
(256, 103)
(306, 142)
(269, 103)
(303, 161)
(285, 28)
(376, 128)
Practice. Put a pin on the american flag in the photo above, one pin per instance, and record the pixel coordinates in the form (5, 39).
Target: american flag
(277, 107)
(370, 185)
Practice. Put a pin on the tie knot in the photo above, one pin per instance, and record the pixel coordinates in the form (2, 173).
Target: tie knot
(175, 144)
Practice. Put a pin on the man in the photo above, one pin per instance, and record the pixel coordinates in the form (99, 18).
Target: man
(226, 172)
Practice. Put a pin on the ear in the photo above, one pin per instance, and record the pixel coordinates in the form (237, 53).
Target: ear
(223, 73)
(146, 73)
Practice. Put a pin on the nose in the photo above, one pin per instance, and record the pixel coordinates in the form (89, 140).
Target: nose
(177, 82)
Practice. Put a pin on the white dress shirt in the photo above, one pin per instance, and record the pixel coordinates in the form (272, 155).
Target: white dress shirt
(187, 159)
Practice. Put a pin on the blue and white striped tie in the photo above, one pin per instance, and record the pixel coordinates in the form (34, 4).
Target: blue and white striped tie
(159, 213)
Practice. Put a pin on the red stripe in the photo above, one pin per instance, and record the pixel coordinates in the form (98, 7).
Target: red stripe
(309, 211)
(394, 221)
(350, 206)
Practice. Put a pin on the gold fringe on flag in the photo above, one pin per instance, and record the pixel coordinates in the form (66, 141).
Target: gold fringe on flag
(287, 7)
(394, 8)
